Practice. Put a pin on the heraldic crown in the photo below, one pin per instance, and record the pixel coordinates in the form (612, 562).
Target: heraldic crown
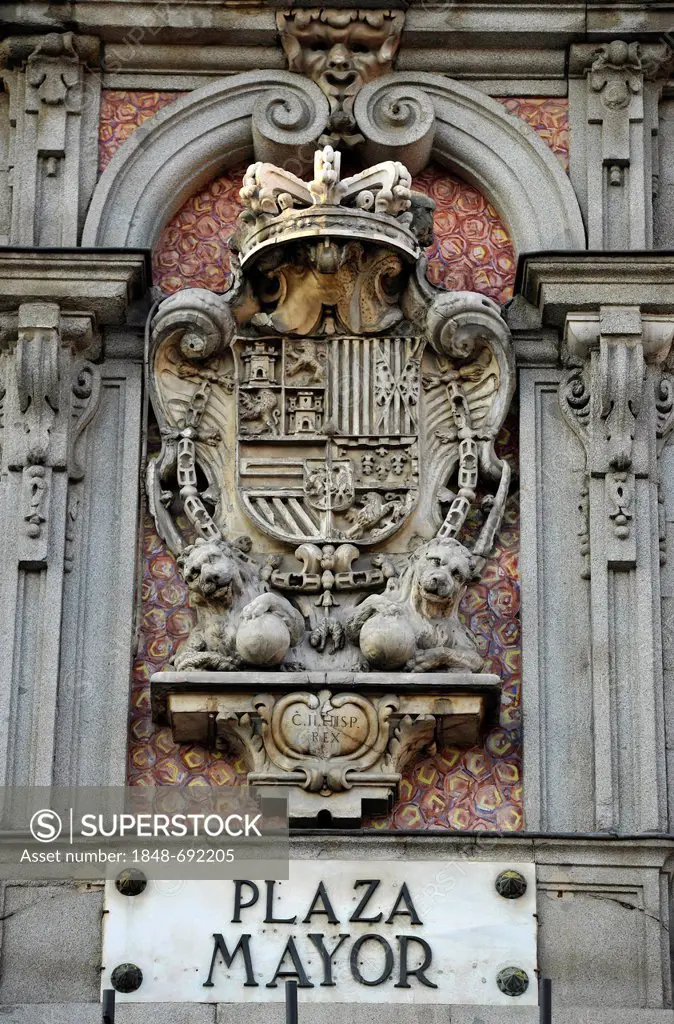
(377, 205)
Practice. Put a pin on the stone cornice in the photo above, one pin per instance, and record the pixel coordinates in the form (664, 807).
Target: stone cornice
(556, 283)
(124, 62)
(647, 851)
(103, 282)
(480, 22)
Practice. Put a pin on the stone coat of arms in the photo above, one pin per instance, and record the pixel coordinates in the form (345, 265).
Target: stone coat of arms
(328, 429)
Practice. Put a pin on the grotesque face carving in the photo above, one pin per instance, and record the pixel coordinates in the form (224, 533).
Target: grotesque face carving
(340, 50)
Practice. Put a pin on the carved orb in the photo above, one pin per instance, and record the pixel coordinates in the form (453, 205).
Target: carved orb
(263, 641)
(387, 641)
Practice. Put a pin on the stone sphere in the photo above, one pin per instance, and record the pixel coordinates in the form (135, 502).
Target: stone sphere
(263, 641)
(387, 641)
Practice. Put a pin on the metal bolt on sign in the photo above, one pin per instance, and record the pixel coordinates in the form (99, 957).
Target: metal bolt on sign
(126, 978)
(512, 981)
(131, 882)
(511, 885)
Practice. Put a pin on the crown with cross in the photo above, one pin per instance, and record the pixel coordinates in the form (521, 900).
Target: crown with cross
(377, 206)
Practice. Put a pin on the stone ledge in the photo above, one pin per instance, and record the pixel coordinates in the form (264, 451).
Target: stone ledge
(196, 685)
(356, 1013)
(556, 283)
(100, 281)
(338, 740)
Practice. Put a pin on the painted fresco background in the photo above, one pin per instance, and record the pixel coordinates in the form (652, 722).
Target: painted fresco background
(479, 788)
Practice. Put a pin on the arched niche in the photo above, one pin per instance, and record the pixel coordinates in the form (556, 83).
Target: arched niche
(277, 116)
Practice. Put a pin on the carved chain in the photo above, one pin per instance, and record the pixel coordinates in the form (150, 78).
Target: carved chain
(195, 510)
(468, 462)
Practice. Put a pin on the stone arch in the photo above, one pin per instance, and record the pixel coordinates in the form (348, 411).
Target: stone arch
(414, 116)
(408, 116)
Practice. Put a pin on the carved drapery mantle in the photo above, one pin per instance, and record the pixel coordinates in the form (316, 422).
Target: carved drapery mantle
(328, 427)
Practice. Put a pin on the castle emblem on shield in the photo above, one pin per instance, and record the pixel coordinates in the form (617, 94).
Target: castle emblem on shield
(328, 436)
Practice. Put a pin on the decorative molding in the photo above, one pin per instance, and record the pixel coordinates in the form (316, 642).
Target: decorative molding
(102, 283)
(53, 111)
(278, 117)
(253, 24)
(556, 284)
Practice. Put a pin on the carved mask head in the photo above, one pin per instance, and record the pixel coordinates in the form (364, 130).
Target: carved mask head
(340, 50)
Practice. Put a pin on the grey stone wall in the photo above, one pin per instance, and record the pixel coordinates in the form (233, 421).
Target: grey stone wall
(603, 936)
(598, 748)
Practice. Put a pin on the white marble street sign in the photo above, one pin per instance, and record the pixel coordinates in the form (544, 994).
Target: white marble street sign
(349, 931)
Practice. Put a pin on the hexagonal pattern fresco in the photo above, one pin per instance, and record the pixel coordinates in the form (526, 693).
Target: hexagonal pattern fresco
(455, 789)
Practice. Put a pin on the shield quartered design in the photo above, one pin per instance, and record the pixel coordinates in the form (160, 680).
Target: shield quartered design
(328, 436)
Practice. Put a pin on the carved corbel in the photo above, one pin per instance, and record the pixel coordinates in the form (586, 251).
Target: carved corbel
(604, 398)
(52, 391)
(336, 742)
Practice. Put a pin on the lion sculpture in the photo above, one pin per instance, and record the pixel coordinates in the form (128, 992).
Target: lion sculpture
(239, 622)
(415, 624)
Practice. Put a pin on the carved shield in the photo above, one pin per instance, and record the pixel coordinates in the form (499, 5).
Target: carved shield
(328, 436)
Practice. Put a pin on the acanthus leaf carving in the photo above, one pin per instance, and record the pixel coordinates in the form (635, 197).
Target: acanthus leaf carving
(86, 390)
(38, 379)
(574, 394)
(664, 405)
(409, 737)
(621, 385)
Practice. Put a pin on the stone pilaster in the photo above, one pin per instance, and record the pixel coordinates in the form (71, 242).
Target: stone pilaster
(54, 394)
(601, 710)
(613, 110)
(48, 137)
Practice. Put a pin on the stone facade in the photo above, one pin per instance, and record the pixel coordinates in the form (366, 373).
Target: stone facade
(418, 256)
